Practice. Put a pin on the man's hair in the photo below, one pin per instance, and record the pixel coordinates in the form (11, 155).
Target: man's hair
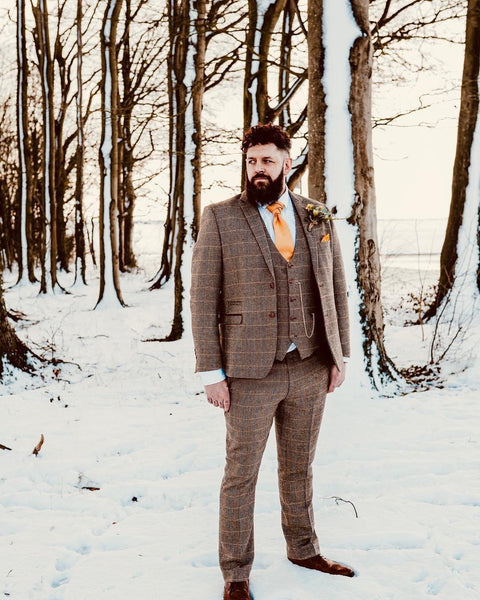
(266, 134)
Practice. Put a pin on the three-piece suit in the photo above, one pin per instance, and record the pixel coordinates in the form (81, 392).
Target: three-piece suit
(250, 306)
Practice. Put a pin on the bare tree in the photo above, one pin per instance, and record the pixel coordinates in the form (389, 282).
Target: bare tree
(467, 125)
(25, 171)
(141, 96)
(108, 159)
(49, 242)
(186, 87)
(261, 105)
(79, 155)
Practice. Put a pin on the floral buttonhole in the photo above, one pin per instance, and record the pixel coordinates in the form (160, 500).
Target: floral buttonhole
(316, 214)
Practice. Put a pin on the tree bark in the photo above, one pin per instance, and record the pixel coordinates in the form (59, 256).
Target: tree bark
(356, 204)
(379, 366)
(185, 142)
(126, 194)
(316, 101)
(49, 244)
(108, 160)
(13, 352)
(188, 139)
(79, 157)
(25, 168)
(467, 122)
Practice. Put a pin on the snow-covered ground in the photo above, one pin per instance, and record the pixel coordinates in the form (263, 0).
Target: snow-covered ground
(128, 416)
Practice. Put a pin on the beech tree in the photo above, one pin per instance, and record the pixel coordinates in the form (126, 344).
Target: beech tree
(260, 104)
(186, 68)
(108, 159)
(49, 239)
(456, 258)
(79, 155)
(142, 95)
(343, 174)
(25, 266)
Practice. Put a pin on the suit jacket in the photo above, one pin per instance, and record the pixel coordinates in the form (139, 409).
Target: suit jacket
(233, 295)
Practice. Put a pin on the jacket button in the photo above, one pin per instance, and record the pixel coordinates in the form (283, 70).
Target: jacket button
(272, 285)
(292, 318)
(272, 314)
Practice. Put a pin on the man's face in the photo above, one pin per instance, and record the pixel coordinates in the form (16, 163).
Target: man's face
(267, 167)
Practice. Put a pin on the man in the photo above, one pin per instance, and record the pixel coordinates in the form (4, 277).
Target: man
(270, 328)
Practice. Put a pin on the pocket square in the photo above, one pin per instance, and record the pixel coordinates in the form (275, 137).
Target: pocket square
(325, 238)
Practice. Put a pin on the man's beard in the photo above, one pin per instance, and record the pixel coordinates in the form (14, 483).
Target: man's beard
(266, 193)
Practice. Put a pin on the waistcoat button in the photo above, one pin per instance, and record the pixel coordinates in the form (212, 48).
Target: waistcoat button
(272, 314)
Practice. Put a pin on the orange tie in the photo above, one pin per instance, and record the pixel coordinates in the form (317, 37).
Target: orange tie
(283, 237)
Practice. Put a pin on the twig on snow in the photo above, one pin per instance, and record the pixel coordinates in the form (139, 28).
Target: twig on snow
(38, 447)
(338, 499)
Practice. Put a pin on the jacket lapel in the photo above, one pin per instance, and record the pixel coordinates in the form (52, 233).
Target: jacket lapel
(256, 225)
(300, 204)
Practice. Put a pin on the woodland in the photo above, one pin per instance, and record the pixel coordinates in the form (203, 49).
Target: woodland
(106, 98)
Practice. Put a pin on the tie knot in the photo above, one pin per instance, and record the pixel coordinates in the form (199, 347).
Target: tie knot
(276, 208)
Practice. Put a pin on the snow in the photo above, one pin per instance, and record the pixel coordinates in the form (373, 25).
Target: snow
(129, 416)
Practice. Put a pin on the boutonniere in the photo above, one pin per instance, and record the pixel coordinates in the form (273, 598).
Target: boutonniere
(316, 214)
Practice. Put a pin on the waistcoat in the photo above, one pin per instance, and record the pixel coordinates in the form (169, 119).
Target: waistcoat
(299, 315)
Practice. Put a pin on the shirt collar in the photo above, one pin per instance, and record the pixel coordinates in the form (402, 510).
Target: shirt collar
(284, 199)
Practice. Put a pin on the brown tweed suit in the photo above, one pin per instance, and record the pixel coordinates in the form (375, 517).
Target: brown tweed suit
(234, 314)
(233, 285)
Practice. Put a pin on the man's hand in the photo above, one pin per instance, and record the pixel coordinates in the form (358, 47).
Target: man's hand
(336, 377)
(218, 395)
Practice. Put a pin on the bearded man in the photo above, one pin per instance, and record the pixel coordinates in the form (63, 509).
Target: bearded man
(271, 337)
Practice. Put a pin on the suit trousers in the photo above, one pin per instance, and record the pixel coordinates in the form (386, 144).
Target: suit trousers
(293, 394)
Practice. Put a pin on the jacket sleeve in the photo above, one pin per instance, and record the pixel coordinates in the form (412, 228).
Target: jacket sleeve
(340, 293)
(205, 294)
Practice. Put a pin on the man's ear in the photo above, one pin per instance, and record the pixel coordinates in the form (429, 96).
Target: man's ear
(287, 165)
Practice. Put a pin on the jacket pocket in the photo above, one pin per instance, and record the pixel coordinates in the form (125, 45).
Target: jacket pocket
(232, 319)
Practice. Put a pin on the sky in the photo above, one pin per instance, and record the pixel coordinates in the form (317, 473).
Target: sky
(413, 156)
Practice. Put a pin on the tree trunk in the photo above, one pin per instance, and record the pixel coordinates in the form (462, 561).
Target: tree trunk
(49, 244)
(189, 100)
(262, 20)
(61, 174)
(467, 122)
(25, 183)
(364, 211)
(13, 352)
(347, 180)
(316, 101)
(108, 158)
(127, 195)
(79, 158)
(186, 67)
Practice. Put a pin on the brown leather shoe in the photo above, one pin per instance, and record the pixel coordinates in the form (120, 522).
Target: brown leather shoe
(236, 590)
(319, 563)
